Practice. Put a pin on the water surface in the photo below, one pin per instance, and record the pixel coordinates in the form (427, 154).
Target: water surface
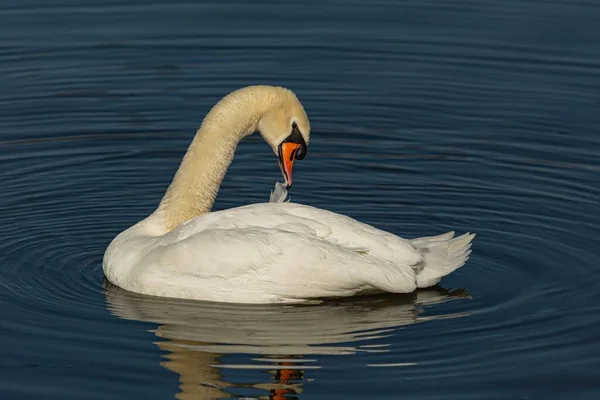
(427, 116)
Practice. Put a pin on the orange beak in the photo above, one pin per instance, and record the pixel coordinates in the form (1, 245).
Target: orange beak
(287, 156)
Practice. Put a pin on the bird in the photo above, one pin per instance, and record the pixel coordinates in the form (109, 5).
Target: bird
(271, 252)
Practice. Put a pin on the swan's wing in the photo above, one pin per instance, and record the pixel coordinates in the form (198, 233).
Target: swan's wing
(269, 265)
(279, 251)
(351, 233)
(323, 225)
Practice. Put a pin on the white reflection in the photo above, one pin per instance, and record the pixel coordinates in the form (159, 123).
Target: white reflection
(196, 334)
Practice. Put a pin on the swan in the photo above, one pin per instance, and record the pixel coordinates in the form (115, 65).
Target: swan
(273, 252)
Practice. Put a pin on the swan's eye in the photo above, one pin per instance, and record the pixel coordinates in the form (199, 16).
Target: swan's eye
(294, 125)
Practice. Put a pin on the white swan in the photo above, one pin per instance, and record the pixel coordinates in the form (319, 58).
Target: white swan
(273, 252)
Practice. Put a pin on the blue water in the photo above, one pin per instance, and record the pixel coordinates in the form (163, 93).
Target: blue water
(428, 116)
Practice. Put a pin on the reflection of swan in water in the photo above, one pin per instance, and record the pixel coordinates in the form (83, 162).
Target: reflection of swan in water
(196, 334)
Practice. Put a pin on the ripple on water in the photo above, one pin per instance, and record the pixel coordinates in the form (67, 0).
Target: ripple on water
(427, 117)
(53, 272)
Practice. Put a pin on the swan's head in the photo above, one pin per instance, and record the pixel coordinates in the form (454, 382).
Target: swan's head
(286, 128)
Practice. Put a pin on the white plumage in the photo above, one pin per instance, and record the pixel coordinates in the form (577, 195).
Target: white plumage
(272, 252)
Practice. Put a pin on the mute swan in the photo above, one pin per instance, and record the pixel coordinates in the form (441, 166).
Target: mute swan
(276, 252)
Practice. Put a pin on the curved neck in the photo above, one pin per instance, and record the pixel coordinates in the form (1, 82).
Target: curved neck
(197, 181)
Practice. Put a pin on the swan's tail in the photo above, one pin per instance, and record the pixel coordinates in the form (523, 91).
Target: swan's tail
(441, 255)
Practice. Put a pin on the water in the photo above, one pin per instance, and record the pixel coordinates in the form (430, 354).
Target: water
(427, 116)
